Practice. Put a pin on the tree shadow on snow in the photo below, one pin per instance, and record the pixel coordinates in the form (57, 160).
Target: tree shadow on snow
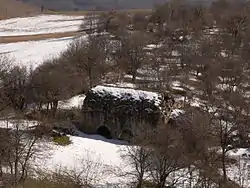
(101, 138)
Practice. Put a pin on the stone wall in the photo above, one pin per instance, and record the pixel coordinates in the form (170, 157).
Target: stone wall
(122, 110)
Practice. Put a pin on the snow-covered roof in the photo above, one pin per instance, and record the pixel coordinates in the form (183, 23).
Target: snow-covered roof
(128, 93)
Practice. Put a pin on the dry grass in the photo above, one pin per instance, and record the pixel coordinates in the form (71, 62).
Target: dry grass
(23, 38)
(13, 8)
(82, 13)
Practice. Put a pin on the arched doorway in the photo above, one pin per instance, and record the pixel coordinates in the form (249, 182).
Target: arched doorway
(104, 131)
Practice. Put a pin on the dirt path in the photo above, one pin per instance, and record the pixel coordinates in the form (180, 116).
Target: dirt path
(23, 38)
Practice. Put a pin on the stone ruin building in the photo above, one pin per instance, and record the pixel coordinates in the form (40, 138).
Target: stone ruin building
(121, 111)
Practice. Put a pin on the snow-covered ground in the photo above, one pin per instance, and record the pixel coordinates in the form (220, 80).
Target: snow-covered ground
(240, 172)
(101, 157)
(40, 24)
(33, 53)
(97, 156)
(18, 124)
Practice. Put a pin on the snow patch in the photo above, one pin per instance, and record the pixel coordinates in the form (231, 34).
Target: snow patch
(74, 102)
(177, 112)
(18, 124)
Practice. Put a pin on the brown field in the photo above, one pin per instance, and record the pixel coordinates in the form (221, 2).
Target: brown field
(13, 8)
(80, 13)
(23, 38)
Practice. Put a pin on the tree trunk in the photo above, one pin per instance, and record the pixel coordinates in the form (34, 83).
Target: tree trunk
(224, 165)
(140, 180)
(191, 176)
(90, 77)
(54, 105)
(133, 78)
(139, 184)
(162, 182)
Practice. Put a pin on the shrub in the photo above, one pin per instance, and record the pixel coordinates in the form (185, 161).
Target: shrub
(55, 180)
(71, 114)
(126, 135)
(31, 183)
(62, 140)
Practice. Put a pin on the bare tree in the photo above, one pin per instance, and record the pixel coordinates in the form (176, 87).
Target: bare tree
(18, 150)
(5, 65)
(87, 59)
(140, 21)
(138, 158)
(15, 88)
(166, 157)
(50, 83)
(132, 52)
(88, 173)
(90, 23)
(119, 24)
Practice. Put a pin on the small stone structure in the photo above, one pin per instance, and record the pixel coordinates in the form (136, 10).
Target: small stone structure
(123, 110)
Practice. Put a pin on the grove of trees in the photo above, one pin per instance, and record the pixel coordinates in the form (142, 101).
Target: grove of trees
(204, 50)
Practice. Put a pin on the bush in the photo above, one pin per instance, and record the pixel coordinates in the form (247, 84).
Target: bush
(43, 184)
(62, 140)
(72, 114)
(126, 135)
(64, 127)
(61, 115)
(55, 180)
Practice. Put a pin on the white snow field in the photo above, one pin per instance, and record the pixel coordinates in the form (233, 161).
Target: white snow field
(41, 24)
(101, 159)
(33, 53)
(85, 151)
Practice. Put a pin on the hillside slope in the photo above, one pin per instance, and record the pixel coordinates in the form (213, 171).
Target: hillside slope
(14, 8)
(96, 4)
(102, 4)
